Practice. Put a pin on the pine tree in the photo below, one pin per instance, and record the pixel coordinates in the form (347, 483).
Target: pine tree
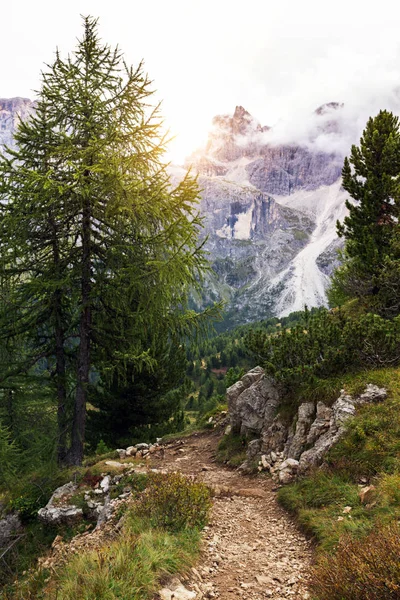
(92, 226)
(371, 177)
(36, 291)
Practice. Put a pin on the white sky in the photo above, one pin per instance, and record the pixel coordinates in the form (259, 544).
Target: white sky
(279, 59)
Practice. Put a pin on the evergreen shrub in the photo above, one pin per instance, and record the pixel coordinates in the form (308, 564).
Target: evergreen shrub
(325, 344)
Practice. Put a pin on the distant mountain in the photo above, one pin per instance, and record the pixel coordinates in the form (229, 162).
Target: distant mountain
(270, 214)
(269, 210)
(11, 111)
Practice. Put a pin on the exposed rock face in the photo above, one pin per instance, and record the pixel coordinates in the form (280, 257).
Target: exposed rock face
(283, 170)
(305, 416)
(288, 449)
(12, 110)
(274, 437)
(268, 262)
(233, 393)
(274, 169)
(252, 402)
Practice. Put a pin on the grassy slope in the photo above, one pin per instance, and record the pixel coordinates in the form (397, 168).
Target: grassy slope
(368, 454)
(160, 536)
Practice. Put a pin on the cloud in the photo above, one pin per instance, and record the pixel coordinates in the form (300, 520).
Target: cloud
(330, 128)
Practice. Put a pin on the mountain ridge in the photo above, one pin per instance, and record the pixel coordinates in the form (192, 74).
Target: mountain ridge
(269, 210)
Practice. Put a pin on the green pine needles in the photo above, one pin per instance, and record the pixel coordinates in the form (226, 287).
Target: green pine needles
(98, 251)
(371, 230)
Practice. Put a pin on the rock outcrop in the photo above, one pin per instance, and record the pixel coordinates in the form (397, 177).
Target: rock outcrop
(59, 510)
(289, 449)
(10, 526)
(97, 498)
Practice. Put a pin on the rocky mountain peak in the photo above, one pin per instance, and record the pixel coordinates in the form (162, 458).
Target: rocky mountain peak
(14, 104)
(329, 114)
(328, 107)
(12, 110)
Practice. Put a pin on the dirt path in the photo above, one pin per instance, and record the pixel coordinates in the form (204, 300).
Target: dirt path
(251, 549)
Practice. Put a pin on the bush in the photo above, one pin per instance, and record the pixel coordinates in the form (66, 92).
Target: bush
(362, 569)
(102, 448)
(175, 502)
(326, 344)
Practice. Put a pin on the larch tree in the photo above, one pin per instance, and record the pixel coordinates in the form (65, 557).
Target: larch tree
(102, 250)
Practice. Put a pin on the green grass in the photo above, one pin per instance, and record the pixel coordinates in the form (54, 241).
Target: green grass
(158, 541)
(369, 451)
(232, 450)
(131, 567)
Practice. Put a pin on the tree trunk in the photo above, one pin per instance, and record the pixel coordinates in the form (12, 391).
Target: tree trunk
(78, 426)
(62, 417)
(60, 358)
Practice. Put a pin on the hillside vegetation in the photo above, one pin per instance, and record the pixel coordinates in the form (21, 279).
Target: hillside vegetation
(351, 505)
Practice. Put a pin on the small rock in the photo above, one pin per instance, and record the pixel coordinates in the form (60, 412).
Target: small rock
(263, 580)
(105, 484)
(347, 509)
(265, 464)
(114, 464)
(181, 593)
(142, 446)
(367, 494)
(288, 470)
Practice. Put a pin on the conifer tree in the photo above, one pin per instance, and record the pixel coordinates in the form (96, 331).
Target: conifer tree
(104, 249)
(371, 177)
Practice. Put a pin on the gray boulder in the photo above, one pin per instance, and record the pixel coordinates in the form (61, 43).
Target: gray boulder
(234, 391)
(274, 437)
(51, 515)
(305, 418)
(253, 449)
(257, 405)
(9, 526)
(288, 471)
(372, 393)
(57, 510)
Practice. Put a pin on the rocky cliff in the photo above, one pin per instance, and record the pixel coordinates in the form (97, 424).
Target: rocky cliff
(286, 448)
(12, 110)
(270, 213)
